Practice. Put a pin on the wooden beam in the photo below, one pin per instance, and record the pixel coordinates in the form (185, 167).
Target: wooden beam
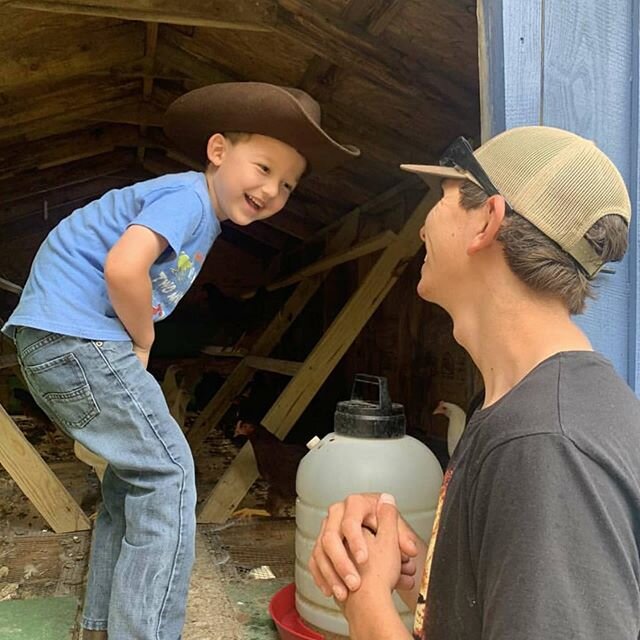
(284, 367)
(27, 216)
(257, 15)
(224, 352)
(373, 15)
(370, 245)
(57, 150)
(142, 114)
(287, 409)
(29, 471)
(32, 184)
(7, 285)
(347, 45)
(9, 360)
(242, 374)
(65, 48)
(69, 122)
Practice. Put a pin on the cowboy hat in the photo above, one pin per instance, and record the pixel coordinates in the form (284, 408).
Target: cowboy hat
(287, 114)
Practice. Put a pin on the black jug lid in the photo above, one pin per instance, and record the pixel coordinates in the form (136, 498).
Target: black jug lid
(364, 418)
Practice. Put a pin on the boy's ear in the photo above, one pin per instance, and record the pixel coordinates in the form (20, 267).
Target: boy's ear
(492, 216)
(216, 148)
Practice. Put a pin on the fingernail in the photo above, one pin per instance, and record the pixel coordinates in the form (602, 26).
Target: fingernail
(387, 498)
(352, 582)
(361, 556)
(339, 592)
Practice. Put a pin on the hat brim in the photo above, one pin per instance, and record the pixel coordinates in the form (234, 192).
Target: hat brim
(433, 174)
(251, 107)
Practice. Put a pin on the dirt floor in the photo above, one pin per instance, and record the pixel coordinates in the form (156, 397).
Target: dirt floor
(230, 588)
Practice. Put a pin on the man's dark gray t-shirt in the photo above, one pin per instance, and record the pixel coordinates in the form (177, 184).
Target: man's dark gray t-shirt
(540, 524)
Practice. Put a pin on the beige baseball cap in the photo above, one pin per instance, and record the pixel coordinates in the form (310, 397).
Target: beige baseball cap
(557, 180)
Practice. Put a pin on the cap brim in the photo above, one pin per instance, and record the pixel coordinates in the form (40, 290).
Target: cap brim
(432, 174)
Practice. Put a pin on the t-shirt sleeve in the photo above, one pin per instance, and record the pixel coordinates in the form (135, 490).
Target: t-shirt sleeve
(174, 214)
(554, 543)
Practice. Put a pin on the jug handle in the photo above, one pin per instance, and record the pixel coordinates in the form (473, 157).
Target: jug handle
(384, 401)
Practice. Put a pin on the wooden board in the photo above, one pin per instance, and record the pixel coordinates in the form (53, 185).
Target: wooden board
(37, 481)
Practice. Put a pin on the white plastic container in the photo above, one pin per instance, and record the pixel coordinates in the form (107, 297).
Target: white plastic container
(369, 452)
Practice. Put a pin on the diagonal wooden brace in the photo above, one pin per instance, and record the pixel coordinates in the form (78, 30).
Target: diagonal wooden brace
(32, 474)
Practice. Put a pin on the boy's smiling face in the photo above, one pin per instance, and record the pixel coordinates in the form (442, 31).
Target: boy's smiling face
(252, 178)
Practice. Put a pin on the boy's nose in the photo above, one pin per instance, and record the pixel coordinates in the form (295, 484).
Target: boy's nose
(271, 188)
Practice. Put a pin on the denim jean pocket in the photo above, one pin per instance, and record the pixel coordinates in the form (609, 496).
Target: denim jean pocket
(62, 384)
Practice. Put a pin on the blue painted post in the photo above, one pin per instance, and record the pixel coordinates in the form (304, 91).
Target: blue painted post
(574, 65)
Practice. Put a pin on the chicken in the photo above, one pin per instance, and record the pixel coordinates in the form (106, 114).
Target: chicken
(277, 462)
(457, 422)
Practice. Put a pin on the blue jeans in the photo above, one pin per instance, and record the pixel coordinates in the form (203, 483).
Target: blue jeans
(143, 543)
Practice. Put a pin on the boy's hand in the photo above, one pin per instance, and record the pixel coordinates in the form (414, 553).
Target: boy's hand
(341, 544)
(143, 354)
(382, 569)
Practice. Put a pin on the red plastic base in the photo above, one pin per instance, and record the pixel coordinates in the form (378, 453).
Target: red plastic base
(282, 609)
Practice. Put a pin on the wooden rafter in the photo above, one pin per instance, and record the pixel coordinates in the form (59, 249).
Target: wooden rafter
(256, 15)
(370, 245)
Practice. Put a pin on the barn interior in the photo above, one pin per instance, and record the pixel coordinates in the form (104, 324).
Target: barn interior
(291, 307)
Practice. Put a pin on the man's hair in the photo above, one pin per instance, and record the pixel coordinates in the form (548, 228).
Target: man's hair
(540, 263)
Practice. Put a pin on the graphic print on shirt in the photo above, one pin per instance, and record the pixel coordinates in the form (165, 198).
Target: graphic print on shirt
(422, 607)
(169, 285)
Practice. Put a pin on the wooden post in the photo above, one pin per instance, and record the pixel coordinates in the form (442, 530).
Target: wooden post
(243, 472)
(43, 488)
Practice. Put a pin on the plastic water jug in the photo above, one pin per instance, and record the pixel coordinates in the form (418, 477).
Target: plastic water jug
(369, 451)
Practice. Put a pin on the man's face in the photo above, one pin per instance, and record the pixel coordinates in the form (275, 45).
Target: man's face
(443, 234)
(253, 178)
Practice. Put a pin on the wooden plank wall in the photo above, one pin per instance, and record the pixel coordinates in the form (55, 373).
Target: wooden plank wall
(574, 66)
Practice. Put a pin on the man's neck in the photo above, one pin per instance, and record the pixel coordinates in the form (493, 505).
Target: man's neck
(508, 337)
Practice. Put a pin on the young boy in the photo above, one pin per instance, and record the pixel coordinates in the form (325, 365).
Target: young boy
(536, 534)
(84, 327)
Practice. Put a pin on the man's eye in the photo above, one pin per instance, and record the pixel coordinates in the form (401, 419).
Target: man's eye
(264, 168)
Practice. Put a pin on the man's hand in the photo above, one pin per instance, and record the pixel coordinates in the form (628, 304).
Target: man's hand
(143, 354)
(341, 545)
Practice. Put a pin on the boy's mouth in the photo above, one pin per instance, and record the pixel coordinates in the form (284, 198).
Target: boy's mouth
(253, 203)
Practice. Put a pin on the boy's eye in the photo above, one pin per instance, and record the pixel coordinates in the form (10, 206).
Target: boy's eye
(288, 187)
(264, 168)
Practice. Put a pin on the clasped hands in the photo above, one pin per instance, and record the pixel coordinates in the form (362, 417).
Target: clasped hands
(364, 546)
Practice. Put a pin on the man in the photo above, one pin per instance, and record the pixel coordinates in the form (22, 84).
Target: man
(537, 530)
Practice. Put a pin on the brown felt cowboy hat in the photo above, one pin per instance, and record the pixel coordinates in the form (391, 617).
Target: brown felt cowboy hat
(287, 114)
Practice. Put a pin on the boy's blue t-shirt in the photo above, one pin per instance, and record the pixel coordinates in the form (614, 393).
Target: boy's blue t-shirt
(66, 290)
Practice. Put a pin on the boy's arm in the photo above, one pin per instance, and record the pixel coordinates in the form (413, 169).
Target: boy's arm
(372, 615)
(126, 272)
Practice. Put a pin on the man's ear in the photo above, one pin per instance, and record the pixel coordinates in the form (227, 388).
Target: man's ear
(492, 216)
(216, 148)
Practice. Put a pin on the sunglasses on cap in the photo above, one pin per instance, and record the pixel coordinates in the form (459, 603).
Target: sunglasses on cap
(459, 155)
